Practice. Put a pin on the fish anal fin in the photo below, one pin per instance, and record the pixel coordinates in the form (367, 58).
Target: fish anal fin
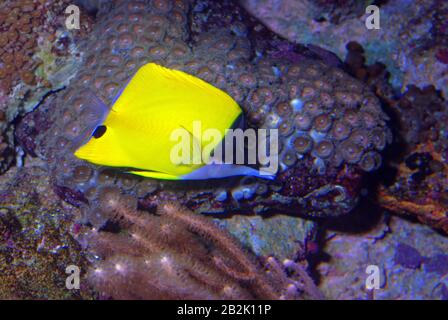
(155, 175)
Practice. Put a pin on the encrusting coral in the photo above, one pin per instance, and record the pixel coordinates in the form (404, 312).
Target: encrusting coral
(23, 25)
(172, 253)
(38, 54)
(35, 243)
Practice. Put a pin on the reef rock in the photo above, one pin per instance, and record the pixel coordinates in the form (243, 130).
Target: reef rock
(331, 128)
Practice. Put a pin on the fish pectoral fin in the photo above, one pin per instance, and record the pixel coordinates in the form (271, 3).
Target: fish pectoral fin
(155, 175)
(194, 147)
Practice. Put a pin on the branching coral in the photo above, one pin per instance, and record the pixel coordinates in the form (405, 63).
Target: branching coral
(175, 254)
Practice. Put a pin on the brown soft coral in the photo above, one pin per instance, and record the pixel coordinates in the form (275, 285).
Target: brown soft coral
(175, 254)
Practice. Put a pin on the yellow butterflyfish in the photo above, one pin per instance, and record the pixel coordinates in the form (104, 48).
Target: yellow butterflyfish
(137, 132)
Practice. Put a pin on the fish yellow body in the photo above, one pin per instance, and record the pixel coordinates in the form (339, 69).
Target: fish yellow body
(136, 134)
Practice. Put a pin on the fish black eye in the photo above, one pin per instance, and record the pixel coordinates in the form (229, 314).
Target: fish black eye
(99, 131)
